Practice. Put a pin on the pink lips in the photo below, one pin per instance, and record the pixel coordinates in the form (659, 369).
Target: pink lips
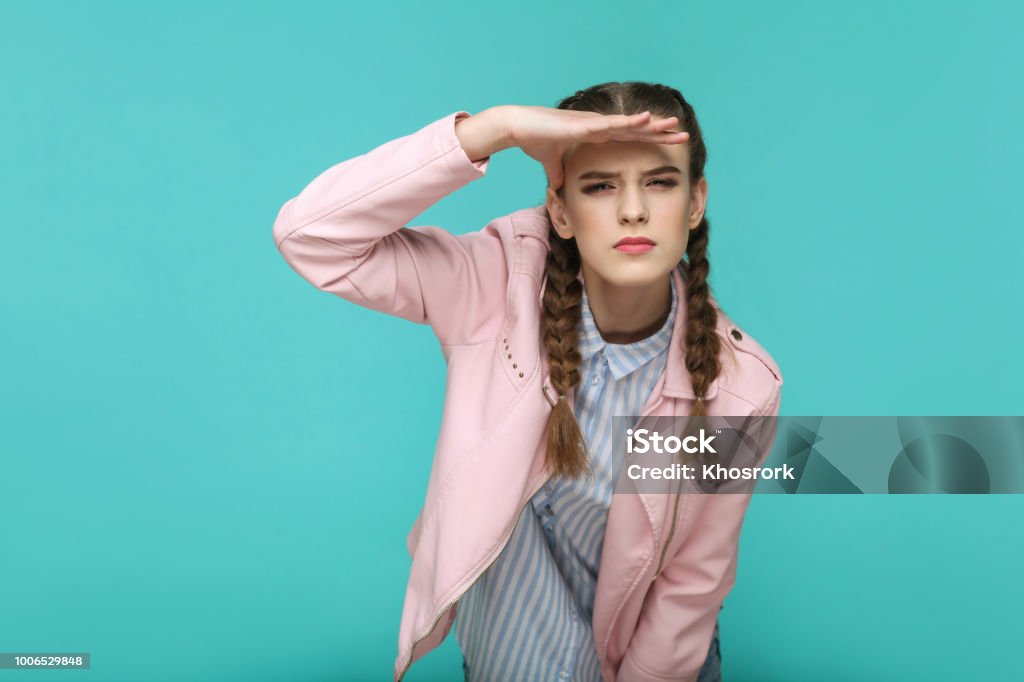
(634, 248)
(634, 245)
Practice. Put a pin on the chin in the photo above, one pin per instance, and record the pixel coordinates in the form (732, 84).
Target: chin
(643, 276)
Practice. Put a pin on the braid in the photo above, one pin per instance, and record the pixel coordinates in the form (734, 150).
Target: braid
(701, 343)
(563, 299)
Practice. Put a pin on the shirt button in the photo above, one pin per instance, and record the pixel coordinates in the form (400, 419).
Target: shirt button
(573, 614)
(564, 674)
(596, 380)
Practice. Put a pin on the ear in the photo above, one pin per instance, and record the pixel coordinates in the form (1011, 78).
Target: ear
(556, 210)
(698, 202)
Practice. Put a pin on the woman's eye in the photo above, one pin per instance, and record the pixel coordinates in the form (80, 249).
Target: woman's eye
(597, 187)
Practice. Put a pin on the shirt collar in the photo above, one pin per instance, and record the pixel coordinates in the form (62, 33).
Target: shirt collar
(624, 358)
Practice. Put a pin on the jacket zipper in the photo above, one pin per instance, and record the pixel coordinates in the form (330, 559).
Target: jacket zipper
(671, 532)
(475, 580)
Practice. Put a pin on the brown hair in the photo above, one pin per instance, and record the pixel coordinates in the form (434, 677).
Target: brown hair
(563, 295)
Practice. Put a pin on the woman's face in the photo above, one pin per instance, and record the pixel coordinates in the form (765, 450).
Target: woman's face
(618, 197)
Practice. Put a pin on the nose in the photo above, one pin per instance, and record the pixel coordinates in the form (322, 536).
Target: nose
(633, 209)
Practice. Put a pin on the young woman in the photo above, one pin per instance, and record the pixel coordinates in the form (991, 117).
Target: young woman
(552, 320)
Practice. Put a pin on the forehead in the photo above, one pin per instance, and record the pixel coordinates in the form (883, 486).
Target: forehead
(624, 156)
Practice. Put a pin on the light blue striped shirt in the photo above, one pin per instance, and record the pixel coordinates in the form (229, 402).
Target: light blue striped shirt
(529, 615)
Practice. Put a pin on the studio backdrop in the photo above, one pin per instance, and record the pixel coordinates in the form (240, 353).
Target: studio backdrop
(208, 468)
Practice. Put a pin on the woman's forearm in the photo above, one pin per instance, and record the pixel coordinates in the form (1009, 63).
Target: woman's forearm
(485, 133)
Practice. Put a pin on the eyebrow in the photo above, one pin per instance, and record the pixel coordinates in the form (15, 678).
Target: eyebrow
(603, 175)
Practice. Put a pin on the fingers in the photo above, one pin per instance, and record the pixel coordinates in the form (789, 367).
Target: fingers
(638, 127)
(660, 128)
(641, 121)
(624, 121)
(663, 137)
(656, 138)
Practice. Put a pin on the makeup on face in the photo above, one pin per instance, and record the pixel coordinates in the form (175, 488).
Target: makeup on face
(637, 244)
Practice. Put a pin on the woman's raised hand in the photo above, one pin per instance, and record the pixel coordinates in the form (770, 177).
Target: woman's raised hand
(546, 133)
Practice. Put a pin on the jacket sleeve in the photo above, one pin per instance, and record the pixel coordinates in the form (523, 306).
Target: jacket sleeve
(677, 622)
(346, 234)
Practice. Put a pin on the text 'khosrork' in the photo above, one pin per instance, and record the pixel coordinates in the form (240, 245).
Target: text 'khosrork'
(643, 441)
(709, 472)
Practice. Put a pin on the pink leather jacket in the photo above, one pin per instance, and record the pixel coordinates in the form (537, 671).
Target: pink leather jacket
(347, 234)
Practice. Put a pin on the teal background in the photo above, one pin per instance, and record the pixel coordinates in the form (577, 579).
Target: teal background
(208, 468)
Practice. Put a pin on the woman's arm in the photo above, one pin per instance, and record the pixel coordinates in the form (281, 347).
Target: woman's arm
(346, 231)
(488, 132)
(678, 619)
